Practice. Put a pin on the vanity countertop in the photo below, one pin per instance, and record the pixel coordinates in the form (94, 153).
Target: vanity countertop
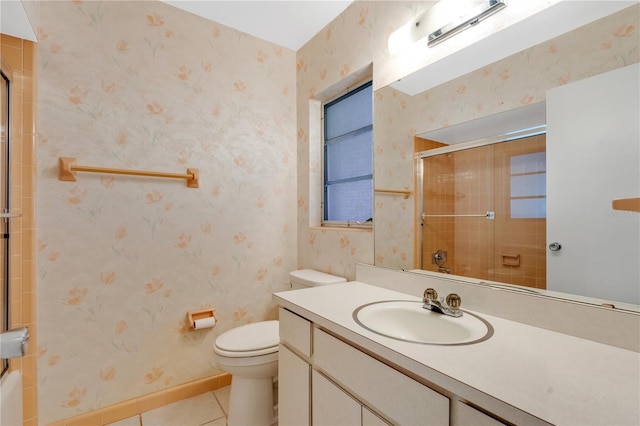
(561, 379)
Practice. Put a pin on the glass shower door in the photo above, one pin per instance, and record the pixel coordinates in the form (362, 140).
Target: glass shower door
(484, 211)
(457, 212)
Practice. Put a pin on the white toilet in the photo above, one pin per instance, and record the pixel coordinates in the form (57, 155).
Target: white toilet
(250, 354)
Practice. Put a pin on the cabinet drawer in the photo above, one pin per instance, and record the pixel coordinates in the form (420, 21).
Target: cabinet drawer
(401, 399)
(295, 332)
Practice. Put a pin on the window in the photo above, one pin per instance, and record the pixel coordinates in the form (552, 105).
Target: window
(528, 186)
(348, 159)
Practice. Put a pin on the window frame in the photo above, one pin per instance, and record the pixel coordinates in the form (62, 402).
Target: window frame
(349, 91)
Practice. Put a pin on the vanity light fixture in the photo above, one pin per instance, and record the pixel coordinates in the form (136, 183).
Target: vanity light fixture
(460, 15)
(466, 20)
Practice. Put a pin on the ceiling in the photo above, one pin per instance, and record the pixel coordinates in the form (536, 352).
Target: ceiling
(13, 20)
(288, 23)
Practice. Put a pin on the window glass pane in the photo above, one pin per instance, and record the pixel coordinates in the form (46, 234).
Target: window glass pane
(529, 208)
(349, 157)
(529, 185)
(349, 114)
(350, 201)
(529, 163)
(348, 160)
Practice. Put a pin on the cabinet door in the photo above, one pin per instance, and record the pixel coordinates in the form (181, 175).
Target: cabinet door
(370, 419)
(465, 415)
(295, 332)
(331, 406)
(397, 397)
(293, 389)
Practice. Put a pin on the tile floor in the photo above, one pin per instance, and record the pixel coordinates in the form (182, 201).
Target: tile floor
(208, 409)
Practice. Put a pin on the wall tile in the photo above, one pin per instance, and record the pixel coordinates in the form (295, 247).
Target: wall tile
(13, 56)
(22, 296)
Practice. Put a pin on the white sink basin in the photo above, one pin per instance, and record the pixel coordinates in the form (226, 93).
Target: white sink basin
(408, 321)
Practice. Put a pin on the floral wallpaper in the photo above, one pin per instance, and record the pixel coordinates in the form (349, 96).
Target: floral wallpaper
(327, 65)
(417, 55)
(521, 79)
(142, 85)
(321, 64)
(393, 170)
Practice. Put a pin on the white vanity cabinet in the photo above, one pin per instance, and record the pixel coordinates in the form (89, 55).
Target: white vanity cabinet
(521, 375)
(465, 415)
(337, 384)
(294, 370)
(294, 381)
(393, 395)
(330, 405)
(326, 381)
(370, 419)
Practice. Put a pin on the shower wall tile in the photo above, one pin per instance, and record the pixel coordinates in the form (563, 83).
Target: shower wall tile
(12, 52)
(21, 56)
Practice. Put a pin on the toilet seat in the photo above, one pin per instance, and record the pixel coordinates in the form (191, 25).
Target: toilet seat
(254, 339)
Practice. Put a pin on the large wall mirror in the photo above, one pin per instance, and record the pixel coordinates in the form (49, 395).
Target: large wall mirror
(515, 167)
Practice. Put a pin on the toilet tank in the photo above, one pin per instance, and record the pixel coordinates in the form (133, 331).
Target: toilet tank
(309, 278)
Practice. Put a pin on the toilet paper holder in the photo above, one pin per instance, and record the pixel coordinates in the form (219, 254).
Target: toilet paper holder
(193, 316)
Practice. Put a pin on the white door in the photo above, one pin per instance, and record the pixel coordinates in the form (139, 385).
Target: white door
(593, 157)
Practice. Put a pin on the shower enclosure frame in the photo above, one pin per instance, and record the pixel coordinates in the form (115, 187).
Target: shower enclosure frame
(5, 199)
(419, 167)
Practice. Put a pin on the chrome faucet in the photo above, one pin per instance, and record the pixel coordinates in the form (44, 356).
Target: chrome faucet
(449, 306)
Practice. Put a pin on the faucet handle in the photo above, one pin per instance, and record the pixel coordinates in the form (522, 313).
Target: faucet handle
(454, 301)
(430, 294)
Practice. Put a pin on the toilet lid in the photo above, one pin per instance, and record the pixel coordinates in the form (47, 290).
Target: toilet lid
(250, 337)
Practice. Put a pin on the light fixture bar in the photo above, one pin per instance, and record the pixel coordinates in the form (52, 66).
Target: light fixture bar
(478, 13)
